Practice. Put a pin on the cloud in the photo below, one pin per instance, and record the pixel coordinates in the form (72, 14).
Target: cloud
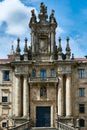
(60, 31)
(16, 15)
(14, 20)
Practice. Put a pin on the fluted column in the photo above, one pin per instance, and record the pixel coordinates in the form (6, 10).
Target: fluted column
(68, 96)
(25, 97)
(60, 96)
(17, 97)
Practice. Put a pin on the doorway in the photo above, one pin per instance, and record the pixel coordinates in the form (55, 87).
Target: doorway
(43, 114)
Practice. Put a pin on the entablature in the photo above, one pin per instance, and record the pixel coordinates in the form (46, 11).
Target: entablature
(21, 70)
(64, 69)
(43, 80)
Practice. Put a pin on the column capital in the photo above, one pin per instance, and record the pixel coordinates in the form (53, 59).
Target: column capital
(68, 75)
(25, 75)
(17, 75)
(60, 75)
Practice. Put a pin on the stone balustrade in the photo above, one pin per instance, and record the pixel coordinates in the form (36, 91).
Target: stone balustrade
(62, 126)
(23, 126)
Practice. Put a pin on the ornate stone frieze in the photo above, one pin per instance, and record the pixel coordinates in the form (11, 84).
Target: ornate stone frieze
(21, 69)
(64, 69)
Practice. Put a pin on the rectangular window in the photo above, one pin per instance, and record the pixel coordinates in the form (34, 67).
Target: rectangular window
(81, 73)
(43, 74)
(52, 73)
(33, 73)
(81, 92)
(4, 98)
(82, 108)
(3, 124)
(6, 75)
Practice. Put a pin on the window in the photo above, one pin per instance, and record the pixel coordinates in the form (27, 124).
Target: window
(81, 123)
(43, 74)
(82, 108)
(33, 73)
(6, 75)
(81, 73)
(43, 92)
(4, 124)
(52, 73)
(81, 92)
(4, 99)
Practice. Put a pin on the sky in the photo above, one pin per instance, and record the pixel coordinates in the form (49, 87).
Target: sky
(71, 17)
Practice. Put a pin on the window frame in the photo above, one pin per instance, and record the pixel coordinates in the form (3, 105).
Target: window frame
(81, 108)
(4, 124)
(81, 73)
(81, 92)
(52, 72)
(6, 75)
(82, 123)
(4, 99)
(43, 74)
(34, 73)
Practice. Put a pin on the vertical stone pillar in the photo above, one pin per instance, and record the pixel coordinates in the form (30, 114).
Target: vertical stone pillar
(60, 96)
(68, 96)
(25, 97)
(52, 40)
(32, 41)
(17, 96)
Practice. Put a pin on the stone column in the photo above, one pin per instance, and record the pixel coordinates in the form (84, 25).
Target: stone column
(68, 95)
(17, 97)
(32, 41)
(52, 40)
(25, 97)
(60, 96)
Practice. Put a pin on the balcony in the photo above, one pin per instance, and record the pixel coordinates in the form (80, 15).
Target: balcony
(43, 79)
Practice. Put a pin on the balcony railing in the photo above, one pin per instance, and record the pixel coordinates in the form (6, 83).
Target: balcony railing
(43, 79)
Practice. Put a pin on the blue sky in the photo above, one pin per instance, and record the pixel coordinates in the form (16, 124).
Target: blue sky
(71, 16)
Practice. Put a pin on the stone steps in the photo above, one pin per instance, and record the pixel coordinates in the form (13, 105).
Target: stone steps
(43, 128)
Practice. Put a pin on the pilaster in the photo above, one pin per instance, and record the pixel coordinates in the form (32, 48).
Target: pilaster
(68, 95)
(25, 97)
(60, 96)
(52, 40)
(18, 96)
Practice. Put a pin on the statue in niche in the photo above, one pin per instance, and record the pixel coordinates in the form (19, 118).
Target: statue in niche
(43, 92)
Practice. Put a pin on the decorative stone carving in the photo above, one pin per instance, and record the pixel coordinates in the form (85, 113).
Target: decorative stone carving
(21, 69)
(64, 69)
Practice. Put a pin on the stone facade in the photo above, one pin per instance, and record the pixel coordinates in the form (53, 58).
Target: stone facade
(43, 82)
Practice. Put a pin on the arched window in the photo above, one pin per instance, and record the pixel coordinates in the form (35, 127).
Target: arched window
(43, 92)
(81, 123)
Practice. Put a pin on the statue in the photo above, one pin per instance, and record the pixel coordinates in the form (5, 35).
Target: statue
(33, 13)
(33, 18)
(43, 9)
(52, 13)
